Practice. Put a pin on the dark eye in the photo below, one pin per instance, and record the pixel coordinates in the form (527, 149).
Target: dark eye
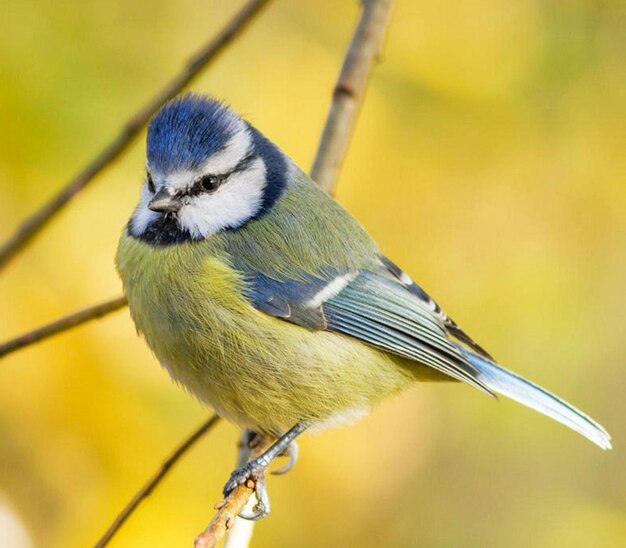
(210, 183)
(150, 183)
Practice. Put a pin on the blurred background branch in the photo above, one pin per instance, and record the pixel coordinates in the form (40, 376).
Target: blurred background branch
(207, 54)
(363, 52)
(62, 324)
(151, 484)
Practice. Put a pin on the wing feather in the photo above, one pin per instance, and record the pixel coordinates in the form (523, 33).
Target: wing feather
(373, 307)
(381, 306)
(380, 312)
(451, 326)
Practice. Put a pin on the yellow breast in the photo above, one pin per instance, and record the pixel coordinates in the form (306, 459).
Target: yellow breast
(257, 370)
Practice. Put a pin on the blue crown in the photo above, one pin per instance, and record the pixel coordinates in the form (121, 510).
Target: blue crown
(187, 130)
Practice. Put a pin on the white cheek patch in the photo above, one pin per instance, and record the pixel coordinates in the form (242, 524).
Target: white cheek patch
(234, 203)
(330, 290)
(142, 216)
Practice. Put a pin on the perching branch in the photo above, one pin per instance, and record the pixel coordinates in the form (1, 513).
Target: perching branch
(62, 324)
(226, 519)
(154, 480)
(363, 52)
(227, 512)
(240, 534)
(208, 53)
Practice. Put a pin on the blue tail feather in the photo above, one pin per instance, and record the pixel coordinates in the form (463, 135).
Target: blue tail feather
(525, 392)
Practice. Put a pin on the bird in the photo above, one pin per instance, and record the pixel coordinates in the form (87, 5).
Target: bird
(268, 301)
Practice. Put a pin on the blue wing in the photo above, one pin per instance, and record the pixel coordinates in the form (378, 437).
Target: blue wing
(372, 306)
(451, 327)
(288, 299)
(383, 307)
(380, 311)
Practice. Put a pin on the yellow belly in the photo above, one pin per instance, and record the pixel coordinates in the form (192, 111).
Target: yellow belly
(256, 370)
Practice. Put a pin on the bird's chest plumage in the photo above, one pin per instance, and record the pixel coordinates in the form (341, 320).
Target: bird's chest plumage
(189, 308)
(257, 370)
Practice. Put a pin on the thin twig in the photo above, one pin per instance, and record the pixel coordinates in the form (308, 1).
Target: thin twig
(155, 480)
(240, 534)
(228, 509)
(62, 324)
(363, 52)
(208, 53)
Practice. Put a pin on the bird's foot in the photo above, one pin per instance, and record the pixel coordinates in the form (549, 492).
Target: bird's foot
(252, 475)
(291, 451)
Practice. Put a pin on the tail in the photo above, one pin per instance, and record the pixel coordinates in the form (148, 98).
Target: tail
(525, 392)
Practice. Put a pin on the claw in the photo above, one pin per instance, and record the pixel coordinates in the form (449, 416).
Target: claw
(292, 451)
(254, 471)
(262, 506)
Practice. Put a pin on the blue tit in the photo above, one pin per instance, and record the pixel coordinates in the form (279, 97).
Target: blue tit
(264, 298)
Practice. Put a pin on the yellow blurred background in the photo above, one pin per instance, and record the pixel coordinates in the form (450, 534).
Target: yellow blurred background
(488, 161)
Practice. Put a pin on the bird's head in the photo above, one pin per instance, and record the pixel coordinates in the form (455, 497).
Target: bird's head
(207, 170)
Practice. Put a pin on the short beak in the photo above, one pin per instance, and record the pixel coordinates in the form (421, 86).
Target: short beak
(164, 202)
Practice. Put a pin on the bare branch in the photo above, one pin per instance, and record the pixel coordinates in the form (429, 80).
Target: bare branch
(155, 480)
(208, 53)
(363, 52)
(62, 324)
(240, 534)
(228, 509)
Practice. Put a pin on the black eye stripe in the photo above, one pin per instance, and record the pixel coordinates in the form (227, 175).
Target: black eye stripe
(244, 162)
(150, 182)
(210, 183)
